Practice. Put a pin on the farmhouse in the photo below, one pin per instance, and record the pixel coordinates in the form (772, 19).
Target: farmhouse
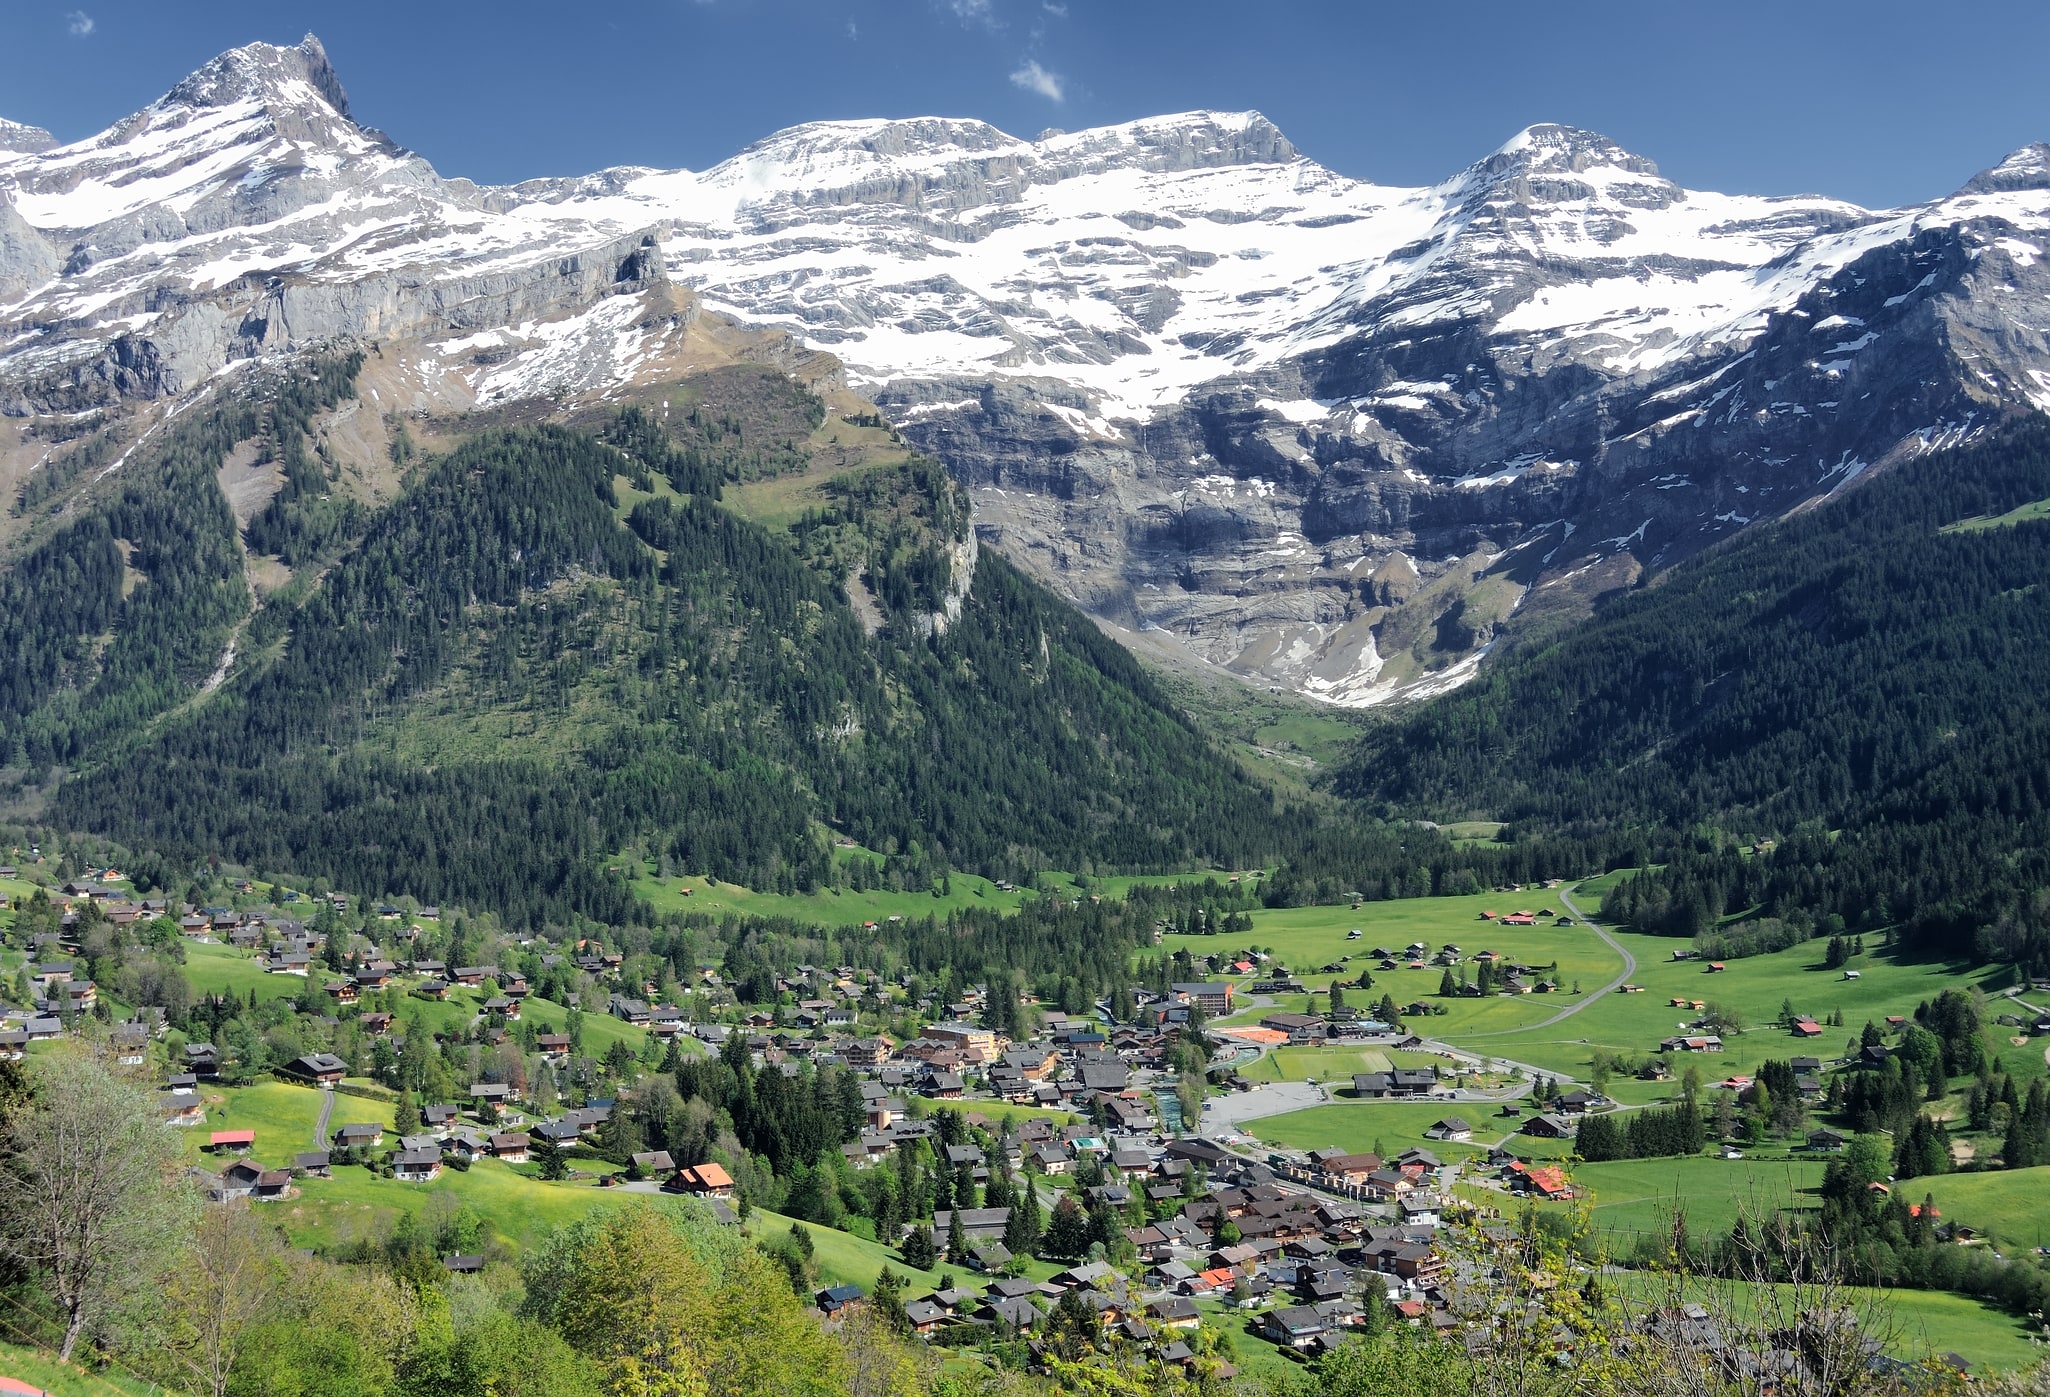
(703, 1181)
(322, 1069)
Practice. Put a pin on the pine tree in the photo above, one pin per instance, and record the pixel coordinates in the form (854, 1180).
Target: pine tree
(1067, 1235)
(957, 1239)
(917, 1249)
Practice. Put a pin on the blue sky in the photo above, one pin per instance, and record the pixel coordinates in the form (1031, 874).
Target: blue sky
(1875, 101)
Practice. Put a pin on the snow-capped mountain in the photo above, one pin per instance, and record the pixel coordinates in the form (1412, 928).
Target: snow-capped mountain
(1333, 435)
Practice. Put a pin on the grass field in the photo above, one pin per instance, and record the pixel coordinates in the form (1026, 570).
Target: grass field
(43, 1371)
(1928, 1323)
(845, 1259)
(216, 969)
(845, 907)
(1395, 1125)
(2035, 509)
(516, 1208)
(2007, 1203)
(1638, 1196)
(283, 1116)
(1755, 987)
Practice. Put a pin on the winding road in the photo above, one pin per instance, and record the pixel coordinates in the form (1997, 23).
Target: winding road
(1629, 969)
(327, 1110)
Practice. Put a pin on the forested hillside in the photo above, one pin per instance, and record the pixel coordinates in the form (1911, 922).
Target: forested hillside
(558, 642)
(1873, 666)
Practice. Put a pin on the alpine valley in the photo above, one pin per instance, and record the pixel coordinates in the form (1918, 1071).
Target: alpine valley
(1335, 437)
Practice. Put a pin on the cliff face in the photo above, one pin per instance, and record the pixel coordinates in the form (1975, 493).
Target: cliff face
(1330, 435)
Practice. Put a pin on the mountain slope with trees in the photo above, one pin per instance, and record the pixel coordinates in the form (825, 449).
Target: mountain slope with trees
(1861, 683)
(508, 673)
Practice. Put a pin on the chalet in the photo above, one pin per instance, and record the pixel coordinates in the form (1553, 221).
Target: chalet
(342, 991)
(706, 1180)
(839, 1300)
(181, 1108)
(1827, 1140)
(471, 975)
(1575, 1102)
(417, 1166)
(289, 963)
(203, 1060)
(1341, 1167)
(1294, 1326)
(940, 1086)
(238, 1180)
(130, 1043)
(1693, 1043)
(359, 1135)
(1103, 1076)
(322, 1069)
(510, 1148)
(231, 1142)
(376, 1024)
(553, 1046)
(490, 1098)
(1549, 1125)
(1453, 1128)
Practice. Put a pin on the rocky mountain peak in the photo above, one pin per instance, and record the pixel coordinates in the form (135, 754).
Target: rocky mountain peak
(1549, 153)
(264, 73)
(2027, 168)
(24, 140)
(1183, 141)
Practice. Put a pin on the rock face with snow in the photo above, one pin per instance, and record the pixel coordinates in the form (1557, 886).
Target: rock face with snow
(1330, 435)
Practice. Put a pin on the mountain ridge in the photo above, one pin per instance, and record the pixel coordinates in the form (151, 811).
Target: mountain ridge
(1328, 435)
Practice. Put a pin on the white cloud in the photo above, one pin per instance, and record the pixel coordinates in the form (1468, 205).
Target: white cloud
(1058, 11)
(79, 23)
(981, 12)
(1034, 78)
(853, 30)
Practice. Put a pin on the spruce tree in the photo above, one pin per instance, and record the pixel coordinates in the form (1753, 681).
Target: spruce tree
(957, 1239)
(917, 1249)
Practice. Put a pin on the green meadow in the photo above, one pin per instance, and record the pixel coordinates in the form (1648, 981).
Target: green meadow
(218, 969)
(1393, 1126)
(843, 907)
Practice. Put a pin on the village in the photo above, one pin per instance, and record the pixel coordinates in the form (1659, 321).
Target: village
(1170, 1230)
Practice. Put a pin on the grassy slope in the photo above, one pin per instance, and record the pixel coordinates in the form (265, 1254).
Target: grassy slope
(283, 1115)
(845, 907)
(40, 1370)
(214, 968)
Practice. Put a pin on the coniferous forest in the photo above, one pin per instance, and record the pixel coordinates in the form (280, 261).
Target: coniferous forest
(1856, 687)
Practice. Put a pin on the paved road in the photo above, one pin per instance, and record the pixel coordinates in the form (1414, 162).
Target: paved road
(327, 1110)
(1629, 969)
